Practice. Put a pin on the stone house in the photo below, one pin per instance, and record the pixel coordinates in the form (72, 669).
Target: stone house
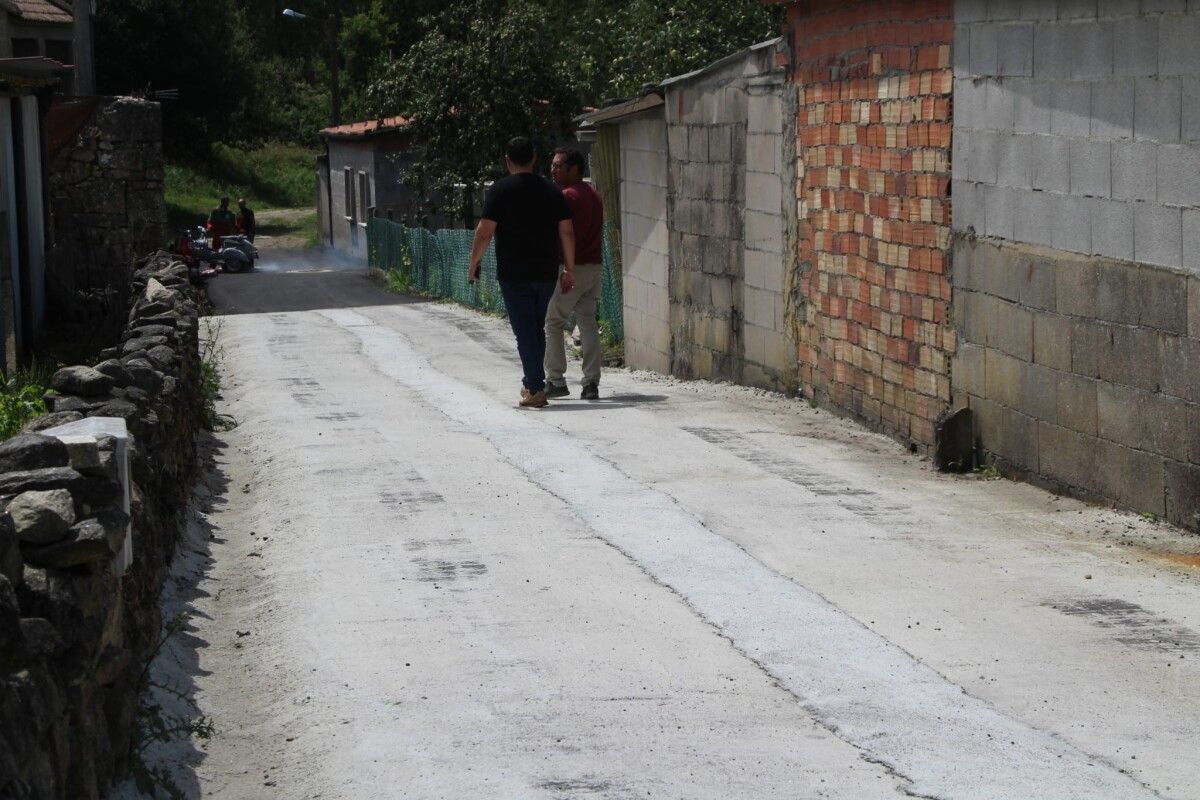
(706, 220)
(996, 208)
(358, 177)
(60, 30)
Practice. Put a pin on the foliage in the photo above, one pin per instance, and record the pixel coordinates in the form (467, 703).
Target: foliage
(211, 356)
(655, 39)
(483, 71)
(21, 399)
(271, 176)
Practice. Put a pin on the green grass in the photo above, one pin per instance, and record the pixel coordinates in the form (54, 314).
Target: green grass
(21, 398)
(271, 176)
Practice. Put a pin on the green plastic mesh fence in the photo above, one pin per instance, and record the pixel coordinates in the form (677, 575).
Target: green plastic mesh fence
(435, 263)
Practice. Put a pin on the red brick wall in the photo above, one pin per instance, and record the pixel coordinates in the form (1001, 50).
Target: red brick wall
(873, 181)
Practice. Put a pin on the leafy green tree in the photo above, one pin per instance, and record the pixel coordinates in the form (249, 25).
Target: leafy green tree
(482, 72)
(653, 40)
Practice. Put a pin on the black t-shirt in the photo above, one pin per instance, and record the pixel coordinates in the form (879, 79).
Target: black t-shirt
(526, 209)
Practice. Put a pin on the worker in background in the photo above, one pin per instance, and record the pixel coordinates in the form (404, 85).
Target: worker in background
(220, 223)
(244, 224)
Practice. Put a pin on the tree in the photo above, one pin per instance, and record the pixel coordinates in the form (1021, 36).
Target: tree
(482, 72)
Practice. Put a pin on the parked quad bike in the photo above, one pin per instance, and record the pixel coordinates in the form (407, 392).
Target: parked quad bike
(236, 254)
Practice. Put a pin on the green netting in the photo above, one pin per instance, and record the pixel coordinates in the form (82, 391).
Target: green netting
(436, 263)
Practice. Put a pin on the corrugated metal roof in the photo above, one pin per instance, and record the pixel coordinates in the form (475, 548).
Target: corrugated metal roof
(38, 11)
(368, 127)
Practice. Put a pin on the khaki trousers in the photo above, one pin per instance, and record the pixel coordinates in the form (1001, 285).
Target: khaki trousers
(583, 300)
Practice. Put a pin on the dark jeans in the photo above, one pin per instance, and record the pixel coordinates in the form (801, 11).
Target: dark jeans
(526, 304)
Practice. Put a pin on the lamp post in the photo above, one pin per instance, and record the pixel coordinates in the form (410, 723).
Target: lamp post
(332, 25)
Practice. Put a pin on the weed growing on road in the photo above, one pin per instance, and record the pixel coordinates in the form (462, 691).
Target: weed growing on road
(21, 398)
(156, 724)
(211, 356)
(988, 473)
(398, 282)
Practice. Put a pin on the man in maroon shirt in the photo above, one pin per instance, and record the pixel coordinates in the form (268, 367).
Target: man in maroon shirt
(587, 216)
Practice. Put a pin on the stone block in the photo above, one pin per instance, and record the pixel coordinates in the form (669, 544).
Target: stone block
(760, 153)
(1092, 50)
(763, 231)
(984, 158)
(1075, 287)
(1179, 172)
(967, 210)
(1071, 112)
(1037, 279)
(1038, 395)
(1158, 235)
(697, 150)
(1191, 109)
(1072, 224)
(1014, 49)
(1091, 168)
(998, 109)
(984, 50)
(1119, 292)
(1075, 403)
(1032, 103)
(1191, 240)
(1000, 205)
(1052, 341)
(1161, 299)
(1112, 228)
(1034, 218)
(1076, 9)
(1013, 333)
(677, 140)
(1182, 488)
(1142, 420)
(1006, 433)
(1193, 301)
(1181, 367)
(1051, 51)
(1135, 51)
(1194, 434)
(720, 144)
(1135, 358)
(1134, 171)
(1091, 347)
(1131, 477)
(1002, 378)
(961, 52)
(970, 11)
(1014, 166)
(764, 192)
(1158, 109)
(1051, 164)
(1178, 53)
(967, 370)
(1066, 455)
(1112, 108)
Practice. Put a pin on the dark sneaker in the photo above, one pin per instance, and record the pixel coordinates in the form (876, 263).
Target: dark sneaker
(590, 392)
(554, 390)
(533, 399)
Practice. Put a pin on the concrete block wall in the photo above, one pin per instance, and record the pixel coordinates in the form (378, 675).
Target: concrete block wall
(706, 130)
(644, 242)
(768, 347)
(1076, 261)
(873, 198)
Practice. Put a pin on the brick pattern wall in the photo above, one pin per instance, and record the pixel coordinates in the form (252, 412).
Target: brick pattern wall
(644, 243)
(873, 192)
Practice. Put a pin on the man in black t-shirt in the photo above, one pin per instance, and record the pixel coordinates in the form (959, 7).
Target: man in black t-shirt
(531, 222)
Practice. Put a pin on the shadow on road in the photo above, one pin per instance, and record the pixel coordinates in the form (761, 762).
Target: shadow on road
(288, 279)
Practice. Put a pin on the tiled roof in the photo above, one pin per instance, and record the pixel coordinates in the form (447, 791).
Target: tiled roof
(38, 11)
(366, 127)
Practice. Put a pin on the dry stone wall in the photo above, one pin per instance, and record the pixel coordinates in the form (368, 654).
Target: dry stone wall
(74, 634)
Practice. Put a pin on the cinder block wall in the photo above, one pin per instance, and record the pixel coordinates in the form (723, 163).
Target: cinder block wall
(1077, 244)
(706, 132)
(644, 252)
(873, 181)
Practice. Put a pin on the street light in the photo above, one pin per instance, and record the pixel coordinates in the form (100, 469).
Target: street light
(332, 25)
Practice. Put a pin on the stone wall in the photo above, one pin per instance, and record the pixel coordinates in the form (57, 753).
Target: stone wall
(644, 247)
(873, 188)
(73, 634)
(1077, 245)
(106, 199)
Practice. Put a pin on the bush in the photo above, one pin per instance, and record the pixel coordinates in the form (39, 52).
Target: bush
(21, 399)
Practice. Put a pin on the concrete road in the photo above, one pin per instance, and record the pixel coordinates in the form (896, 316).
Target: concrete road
(403, 586)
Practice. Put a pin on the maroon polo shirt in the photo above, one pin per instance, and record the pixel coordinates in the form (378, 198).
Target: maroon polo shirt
(587, 215)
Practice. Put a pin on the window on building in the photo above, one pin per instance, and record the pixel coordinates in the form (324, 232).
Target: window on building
(348, 191)
(25, 48)
(60, 51)
(364, 196)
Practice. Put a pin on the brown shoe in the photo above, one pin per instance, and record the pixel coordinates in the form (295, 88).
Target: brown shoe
(533, 399)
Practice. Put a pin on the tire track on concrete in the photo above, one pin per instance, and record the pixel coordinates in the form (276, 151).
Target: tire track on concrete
(898, 711)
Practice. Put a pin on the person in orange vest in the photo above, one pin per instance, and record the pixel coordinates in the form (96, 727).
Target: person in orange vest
(220, 223)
